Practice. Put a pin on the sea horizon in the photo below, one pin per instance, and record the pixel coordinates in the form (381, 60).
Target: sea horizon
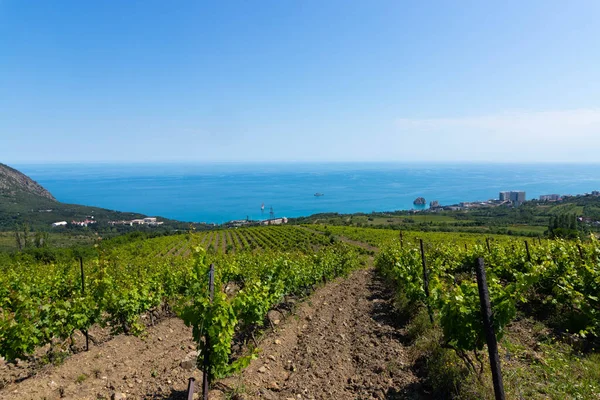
(217, 192)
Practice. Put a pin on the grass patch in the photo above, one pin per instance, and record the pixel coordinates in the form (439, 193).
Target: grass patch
(548, 369)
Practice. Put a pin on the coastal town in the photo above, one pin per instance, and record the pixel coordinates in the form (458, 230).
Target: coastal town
(149, 221)
(505, 198)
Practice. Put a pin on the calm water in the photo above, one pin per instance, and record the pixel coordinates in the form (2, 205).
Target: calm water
(222, 192)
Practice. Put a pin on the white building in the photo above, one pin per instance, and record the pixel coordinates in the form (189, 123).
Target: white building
(60, 223)
(550, 197)
(275, 221)
(517, 197)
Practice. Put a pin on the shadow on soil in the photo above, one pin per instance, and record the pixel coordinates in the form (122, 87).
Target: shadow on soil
(383, 312)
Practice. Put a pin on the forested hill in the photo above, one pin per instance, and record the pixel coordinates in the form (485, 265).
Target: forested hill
(14, 183)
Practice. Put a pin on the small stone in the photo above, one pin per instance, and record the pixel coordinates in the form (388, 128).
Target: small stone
(272, 357)
(160, 339)
(268, 395)
(274, 316)
(274, 386)
(262, 369)
(277, 341)
(118, 396)
(215, 394)
(188, 364)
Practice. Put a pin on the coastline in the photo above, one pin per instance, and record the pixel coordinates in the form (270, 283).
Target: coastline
(217, 192)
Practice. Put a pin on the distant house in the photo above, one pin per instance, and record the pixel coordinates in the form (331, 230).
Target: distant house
(275, 221)
(60, 223)
(86, 222)
(151, 221)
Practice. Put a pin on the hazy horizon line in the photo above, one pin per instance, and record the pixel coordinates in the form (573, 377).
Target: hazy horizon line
(230, 162)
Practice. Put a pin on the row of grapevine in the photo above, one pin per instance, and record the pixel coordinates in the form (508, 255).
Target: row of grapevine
(284, 238)
(559, 274)
(264, 279)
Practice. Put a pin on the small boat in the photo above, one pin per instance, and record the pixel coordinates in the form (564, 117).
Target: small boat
(319, 194)
(262, 207)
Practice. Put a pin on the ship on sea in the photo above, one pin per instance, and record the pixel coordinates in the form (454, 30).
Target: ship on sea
(319, 194)
(262, 207)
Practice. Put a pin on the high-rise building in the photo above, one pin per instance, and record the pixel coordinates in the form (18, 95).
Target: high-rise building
(516, 197)
(504, 196)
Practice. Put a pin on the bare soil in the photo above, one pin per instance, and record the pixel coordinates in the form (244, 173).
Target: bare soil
(343, 342)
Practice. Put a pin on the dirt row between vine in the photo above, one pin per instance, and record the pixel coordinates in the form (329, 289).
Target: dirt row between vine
(343, 342)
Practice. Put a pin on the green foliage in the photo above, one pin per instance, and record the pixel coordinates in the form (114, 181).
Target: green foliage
(564, 274)
(264, 280)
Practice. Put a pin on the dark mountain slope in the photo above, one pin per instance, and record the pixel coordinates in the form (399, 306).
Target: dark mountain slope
(14, 183)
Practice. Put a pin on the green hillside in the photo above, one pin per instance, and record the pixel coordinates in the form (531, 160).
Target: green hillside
(24, 204)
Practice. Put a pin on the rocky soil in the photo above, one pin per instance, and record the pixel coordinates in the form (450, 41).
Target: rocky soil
(342, 343)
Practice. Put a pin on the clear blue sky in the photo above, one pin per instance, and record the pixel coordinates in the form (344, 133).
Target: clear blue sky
(146, 81)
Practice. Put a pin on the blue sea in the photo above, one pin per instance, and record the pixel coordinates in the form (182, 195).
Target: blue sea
(226, 191)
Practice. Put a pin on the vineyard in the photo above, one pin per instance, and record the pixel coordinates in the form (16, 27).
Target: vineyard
(226, 241)
(379, 237)
(551, 284)
(46, 303)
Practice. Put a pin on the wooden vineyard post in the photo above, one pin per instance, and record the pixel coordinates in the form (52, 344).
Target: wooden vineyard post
(490, 336)
(487, 241)
(527, 248)
(87, 336)
(206, 361)
(466, 248)
(401, 241)
(426, 282)
(191, 389)
(580, 251)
